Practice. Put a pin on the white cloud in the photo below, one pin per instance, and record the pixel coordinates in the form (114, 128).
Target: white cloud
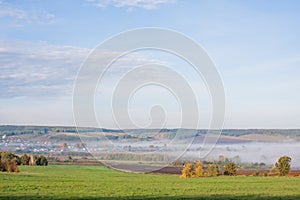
(38, 68)
(18, 17)
(14, 13)
(130, 4)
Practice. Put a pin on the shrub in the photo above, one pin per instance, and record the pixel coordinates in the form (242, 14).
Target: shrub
(43, 161)
(3, 166)
(256, 173)
(38, 160)
(213, 170)
(230, 169)
(7, 156)
(12, 166)
(273, 171)
(8, 166)
(25, 159)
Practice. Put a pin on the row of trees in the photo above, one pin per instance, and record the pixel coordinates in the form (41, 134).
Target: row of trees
(198, 169)
(10, 161)
(33, 160)
(191, 170)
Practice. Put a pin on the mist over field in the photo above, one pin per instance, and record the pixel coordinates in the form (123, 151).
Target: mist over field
(266, 152)
(248, 152)
(241, 146)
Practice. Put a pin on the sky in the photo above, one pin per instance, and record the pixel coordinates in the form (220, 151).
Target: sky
(255, 46)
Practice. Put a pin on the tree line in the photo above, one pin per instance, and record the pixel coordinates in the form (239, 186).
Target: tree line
(198, 169)
(9, 162)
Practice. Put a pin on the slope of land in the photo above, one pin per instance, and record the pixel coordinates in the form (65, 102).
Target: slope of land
(59, 133)
(98, 182)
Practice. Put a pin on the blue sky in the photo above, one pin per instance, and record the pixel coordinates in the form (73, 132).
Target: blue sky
(255, 45)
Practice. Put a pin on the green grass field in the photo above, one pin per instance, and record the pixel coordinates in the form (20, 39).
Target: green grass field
(98, 182)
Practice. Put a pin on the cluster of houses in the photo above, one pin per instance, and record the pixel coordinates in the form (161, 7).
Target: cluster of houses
(17, 144)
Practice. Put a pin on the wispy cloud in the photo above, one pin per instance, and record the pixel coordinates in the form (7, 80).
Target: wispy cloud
(18, 17)
(38, 68)
(130, 4)
(14, 13)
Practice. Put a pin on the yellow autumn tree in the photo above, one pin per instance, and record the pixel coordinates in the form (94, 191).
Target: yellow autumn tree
(212, 170)
(199, 169)
(188, 170)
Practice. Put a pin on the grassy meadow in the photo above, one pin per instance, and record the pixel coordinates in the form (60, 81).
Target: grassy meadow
(99, 182)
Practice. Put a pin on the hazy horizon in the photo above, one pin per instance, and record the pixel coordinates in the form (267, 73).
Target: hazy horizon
(112, 128)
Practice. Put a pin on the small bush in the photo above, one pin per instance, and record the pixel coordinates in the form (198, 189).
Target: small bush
(25, 159)
(256, 173)
(230, 169)
(7, 156)
(38, 160)
(273, 171)
(43, 161)
(9, 166)
(213, 170)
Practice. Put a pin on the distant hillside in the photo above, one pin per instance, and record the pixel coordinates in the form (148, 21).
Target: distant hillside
(11, 130)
